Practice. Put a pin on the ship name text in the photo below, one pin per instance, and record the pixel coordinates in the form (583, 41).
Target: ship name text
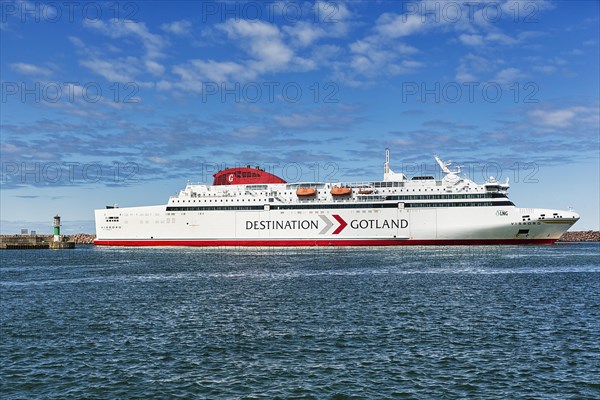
(307, 224)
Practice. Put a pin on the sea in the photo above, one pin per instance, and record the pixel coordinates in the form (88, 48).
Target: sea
(484, 322)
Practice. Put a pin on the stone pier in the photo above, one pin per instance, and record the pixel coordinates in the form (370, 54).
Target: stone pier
(25, 242)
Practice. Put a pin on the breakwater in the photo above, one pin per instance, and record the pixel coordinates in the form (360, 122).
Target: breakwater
(44, 241)
(26, 242)
(580, 236)
(78, 238)
(83, 238)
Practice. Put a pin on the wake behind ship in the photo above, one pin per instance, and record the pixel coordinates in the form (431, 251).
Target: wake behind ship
(251, 207)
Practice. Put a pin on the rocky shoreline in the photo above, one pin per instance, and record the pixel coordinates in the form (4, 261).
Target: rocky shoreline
(576, 236)
(79, 238)
(580, 236)
(83, 238)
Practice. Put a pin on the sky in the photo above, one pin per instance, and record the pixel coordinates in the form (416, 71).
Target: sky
(126, 102)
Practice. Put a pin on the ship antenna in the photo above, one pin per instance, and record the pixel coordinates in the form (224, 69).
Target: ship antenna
(443, 165)
(386, 166)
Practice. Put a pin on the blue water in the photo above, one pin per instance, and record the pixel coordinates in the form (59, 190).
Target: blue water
(410, 322)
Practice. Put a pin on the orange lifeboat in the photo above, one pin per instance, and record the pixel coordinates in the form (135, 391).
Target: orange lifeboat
(306, 192)
(341, 191)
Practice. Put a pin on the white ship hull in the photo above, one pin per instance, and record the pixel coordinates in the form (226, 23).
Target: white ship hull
(151, 226)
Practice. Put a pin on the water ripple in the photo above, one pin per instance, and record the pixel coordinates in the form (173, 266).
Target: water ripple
(447, 322)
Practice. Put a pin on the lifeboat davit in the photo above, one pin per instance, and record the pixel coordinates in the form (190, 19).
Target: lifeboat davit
(306, 192)
(341, 191)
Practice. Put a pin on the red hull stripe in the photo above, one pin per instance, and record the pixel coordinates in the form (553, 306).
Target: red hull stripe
(318, 242)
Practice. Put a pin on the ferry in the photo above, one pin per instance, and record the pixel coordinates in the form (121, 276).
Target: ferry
(247, 206)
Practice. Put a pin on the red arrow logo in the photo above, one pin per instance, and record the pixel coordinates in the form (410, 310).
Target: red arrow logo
(343, 224)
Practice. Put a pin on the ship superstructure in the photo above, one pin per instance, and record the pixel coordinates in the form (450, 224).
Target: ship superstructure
(252, 207)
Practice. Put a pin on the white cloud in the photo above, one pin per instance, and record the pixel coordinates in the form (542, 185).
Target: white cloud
(559, 61)
(158, 160)
(124, 28)
(422, 16)
(526, 35)
(119, 29)
(77, 42)
(249, 132)
(30, 69)
(376, 55)
(475, 22)
(267, 50)
(180, 28)
(556, 118)
(492, 39)
(7, 148)
(261, 40)
(113, 70)
(471, 40)
(304, 33)
(395, 26)
(464, 76)
(318, 120)
(246, 28)
(500, 38)
(547, 69)
(154, 68)
(164, 85)
(330, 20)
(526, 9)
(297, 120)
(330, 12)
(194, 73)
(200, 75)
(471, 67)
(562, 118)
(121, 69)
(509, 75)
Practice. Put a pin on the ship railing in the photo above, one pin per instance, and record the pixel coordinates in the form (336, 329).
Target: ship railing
(296, 185)
(355, 185)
